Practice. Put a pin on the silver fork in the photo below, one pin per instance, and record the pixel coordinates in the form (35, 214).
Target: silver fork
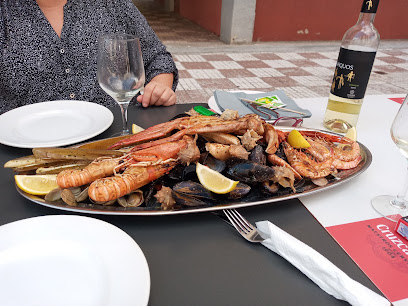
(246, 229)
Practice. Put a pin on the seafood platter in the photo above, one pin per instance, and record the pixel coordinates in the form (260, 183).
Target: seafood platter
(154, 172)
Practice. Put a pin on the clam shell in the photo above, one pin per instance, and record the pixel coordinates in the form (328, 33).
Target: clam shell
(68, 197)
(53, 195)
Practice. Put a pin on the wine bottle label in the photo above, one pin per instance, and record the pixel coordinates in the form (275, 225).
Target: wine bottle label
(352, 72)
(369, 6)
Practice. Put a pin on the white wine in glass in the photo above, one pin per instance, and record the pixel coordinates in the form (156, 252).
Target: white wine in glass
(392, 206)
(120, 70)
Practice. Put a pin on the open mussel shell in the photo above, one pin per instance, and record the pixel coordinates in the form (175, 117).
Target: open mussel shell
(247, 171)
(212, 162)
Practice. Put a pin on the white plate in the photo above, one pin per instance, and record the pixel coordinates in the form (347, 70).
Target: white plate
(70, 260)
(213, 105)
(53, 123)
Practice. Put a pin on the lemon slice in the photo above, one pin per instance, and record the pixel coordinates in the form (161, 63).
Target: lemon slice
(214, 181)
(296, 140)
(352, 133)
(136, 128)
(36, 184)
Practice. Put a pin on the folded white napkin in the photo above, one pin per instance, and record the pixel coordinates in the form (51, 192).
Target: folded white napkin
(317, 267)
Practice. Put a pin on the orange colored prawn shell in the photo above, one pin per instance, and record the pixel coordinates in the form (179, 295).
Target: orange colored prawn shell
(194, 125)
(110, 188)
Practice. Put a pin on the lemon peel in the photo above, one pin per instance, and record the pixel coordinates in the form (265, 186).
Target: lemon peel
(352, 133)
(296, 140)
(36, 184)
(214, 181)
(136, 129)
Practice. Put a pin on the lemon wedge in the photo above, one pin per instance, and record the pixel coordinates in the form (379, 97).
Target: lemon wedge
(296, 140)
(36, 184)
(136, 128)
(352, 133)
(214, 181)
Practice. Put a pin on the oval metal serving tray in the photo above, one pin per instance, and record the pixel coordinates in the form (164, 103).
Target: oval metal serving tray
(254, 198)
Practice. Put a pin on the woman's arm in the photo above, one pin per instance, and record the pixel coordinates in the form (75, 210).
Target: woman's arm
(160, 69)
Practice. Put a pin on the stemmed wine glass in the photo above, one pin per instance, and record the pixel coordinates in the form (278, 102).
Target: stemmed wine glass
(392, 206)
(120, 70)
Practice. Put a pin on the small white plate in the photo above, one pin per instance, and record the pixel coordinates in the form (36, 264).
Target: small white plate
(213, 105)
(70, 260)
(53, 123)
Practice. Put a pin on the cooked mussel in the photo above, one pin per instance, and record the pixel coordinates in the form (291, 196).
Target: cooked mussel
(187, 200)
(240, 191)
(193, 189)
(183, 173)
(212, 163)
(190, 193)
(247, 171)
(258, 155)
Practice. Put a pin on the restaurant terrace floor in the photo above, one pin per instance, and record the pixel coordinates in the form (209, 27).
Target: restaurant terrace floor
(301, 69)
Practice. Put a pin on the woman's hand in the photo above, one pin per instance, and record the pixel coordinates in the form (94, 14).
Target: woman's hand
(158, 91)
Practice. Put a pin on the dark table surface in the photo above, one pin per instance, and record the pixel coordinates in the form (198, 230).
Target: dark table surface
(197, 259)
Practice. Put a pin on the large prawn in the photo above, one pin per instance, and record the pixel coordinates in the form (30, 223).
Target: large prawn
(104, 167)
(134, 177)
(305, 165)
(146, 166)
(190, 126)
(346, 155)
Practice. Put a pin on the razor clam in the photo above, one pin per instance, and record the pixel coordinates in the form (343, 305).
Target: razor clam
(59, 166)
(74, 153)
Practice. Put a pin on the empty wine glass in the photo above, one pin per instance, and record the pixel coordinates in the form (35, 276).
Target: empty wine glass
(120, 70)
(392, 206)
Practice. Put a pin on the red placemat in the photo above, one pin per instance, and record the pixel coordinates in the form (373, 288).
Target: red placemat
(398, 100)
(380, 252)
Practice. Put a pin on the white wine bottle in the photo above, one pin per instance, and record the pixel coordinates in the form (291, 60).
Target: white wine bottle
(356, 57)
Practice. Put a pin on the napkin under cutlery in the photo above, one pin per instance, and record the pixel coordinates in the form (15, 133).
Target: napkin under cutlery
(232, 100)
(317, 267)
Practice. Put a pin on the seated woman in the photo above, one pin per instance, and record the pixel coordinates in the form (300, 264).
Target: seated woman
(48, 51)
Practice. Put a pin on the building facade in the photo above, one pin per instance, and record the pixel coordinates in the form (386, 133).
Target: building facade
(246, 21)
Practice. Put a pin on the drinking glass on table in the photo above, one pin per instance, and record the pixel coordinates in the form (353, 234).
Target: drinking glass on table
(387, 205)
(120, 70)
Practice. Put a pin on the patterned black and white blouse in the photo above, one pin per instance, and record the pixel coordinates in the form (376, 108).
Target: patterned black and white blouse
(36, 65)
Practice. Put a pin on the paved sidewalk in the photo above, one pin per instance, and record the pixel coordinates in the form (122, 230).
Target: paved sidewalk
(301, 69)
(299, 74)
